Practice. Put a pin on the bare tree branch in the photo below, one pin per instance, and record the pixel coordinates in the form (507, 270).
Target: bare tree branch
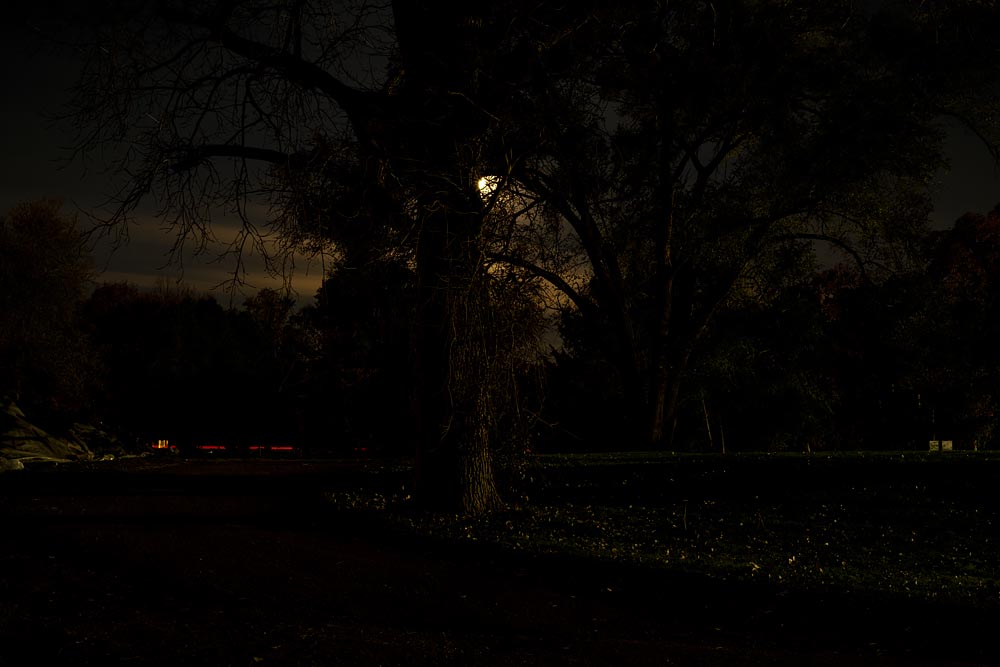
(832, 240)
(191, 157)
(582, 303)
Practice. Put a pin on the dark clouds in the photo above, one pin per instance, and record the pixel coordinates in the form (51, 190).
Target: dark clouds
(34, 163)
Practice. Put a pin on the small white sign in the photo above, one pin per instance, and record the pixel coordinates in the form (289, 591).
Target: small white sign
(946, 445)
(935, 446)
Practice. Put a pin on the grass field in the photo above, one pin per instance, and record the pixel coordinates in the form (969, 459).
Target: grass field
(913, 526)
(633, 559)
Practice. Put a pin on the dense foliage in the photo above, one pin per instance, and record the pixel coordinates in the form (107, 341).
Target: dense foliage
(657, 174)
(45, 271)
(824, 359)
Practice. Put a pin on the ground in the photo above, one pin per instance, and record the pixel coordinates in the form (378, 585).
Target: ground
(165, 562)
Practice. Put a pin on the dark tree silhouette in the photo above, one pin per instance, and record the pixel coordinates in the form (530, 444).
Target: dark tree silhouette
(659, 154)
(743, 127)
(959, 373)
(179, 366)
(368, 124)
(912, 358)
(358, 358)
(45, 270)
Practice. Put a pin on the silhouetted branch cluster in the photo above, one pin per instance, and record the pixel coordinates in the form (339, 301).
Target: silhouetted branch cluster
(646, 166)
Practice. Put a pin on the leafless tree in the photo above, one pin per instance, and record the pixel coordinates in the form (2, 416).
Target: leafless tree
(358, 126)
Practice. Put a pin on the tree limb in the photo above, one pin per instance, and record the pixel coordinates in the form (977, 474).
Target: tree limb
(833, 240)
(582, 303)
(306, 74)
(971, 126)
(193, 156)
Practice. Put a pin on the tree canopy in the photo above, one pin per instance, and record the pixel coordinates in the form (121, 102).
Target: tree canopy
(648, 161)
(721, 134)
(45, 270)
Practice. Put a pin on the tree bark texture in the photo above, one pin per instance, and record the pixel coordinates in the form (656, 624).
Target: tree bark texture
(455, 354)
(454, 360)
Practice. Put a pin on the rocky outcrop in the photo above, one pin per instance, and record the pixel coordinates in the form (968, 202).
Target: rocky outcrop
(21, 442)
(99, 442)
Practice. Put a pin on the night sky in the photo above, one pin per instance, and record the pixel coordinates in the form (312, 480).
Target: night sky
(35, 164)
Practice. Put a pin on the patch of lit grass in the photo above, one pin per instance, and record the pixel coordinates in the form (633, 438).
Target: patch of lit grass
(897, 529)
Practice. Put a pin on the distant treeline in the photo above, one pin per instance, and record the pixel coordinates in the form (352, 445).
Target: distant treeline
(824, 359)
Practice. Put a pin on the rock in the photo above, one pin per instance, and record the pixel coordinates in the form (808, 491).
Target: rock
(102, 444)
(12, 410)
(9, 465)
(22, 442)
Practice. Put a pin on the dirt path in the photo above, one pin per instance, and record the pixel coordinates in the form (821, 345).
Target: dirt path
(204, 564)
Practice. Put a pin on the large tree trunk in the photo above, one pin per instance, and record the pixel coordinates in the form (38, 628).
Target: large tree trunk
(453, 355)
(662, 416)
(453, 380)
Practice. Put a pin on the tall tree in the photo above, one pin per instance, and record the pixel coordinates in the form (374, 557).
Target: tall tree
(373, 123)
(358, 357)
(180, 366)
(45, 270)
(740, 127)
(959, 373)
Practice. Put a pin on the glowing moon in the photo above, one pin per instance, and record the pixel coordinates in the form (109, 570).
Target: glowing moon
(486, 185)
